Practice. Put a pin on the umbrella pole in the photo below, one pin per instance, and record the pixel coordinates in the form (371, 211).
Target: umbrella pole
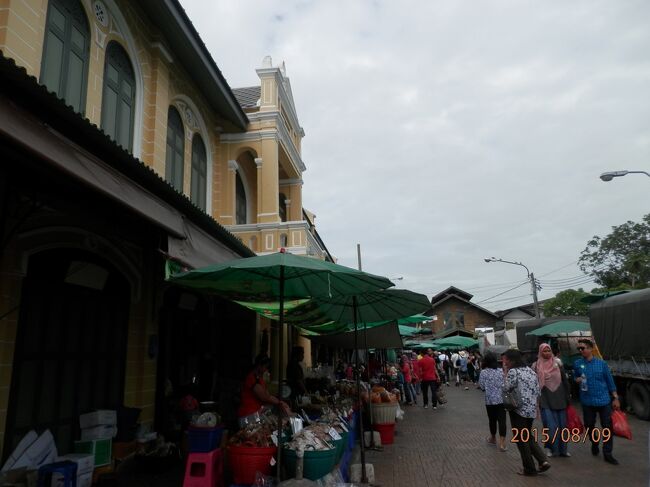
(280, 371)
(364, 477)
(365, 345)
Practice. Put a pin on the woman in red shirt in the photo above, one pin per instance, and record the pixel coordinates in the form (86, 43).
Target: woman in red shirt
(255, 395)
(405, 368)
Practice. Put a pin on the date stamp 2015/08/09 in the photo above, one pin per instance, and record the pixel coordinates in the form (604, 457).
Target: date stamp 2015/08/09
(566, 435)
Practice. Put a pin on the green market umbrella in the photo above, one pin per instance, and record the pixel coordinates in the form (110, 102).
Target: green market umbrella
(421, 345)
(280, 276)
(561, 328)
(593, 298)
(406, 331)
(337, 314)
(455, 342)
(424, 331)
(413, 319)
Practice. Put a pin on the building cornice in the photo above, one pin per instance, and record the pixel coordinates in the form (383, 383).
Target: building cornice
(262, 227)
(279, 134)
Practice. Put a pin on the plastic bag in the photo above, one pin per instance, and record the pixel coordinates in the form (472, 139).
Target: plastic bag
(620, 425)
(399, 414)
(573, 420)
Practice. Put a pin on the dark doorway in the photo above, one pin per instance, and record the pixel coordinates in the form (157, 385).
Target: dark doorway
(205, 349)
(70, 346)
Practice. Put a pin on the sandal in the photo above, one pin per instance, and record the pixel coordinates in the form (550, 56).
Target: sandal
(544, 467)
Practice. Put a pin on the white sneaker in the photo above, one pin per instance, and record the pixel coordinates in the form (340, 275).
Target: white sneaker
(435, 407)
(426, 407)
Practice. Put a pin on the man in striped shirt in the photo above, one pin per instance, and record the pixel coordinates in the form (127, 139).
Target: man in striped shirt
(597, 395)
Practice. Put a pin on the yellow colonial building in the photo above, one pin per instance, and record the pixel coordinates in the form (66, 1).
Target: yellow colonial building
(123, 148)
(263, 169)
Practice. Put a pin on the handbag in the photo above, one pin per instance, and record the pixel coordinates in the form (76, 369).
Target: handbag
(441, 397)
(573, 420)
(511, 399)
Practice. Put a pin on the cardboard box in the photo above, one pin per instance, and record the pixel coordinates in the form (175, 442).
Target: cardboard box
(98, 418)
(98, 432)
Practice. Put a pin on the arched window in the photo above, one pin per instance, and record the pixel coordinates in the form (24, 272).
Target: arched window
(199, 172)
(241, 217)
(175, 149)
(64, 66)
(118, 102)
(283, 207)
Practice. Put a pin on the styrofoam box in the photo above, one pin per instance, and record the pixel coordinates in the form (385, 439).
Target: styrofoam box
(100, 417)
(85, 461)
(98, 432)
(83, 480)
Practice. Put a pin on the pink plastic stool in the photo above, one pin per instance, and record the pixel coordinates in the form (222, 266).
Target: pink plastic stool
(204, 469)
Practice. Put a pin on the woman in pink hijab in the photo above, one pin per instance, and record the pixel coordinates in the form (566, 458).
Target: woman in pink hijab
(554, 398)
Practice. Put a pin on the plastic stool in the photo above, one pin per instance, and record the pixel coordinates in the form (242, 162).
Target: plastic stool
(67, 468)
(204, 469)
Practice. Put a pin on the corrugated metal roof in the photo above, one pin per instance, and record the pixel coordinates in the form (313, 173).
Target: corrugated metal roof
(248, 97)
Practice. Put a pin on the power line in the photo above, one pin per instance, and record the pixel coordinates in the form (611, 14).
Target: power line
(504, 292)
(494, 287)
(503, 300)
(559, 268)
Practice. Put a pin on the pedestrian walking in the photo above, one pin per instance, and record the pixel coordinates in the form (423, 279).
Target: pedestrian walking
(523, 380)
(554, 398)
(463, 368)
(455, 367)
(471, 368)
(491, 381)
(429, 378)
(405, 368)
(444, 362)
(598, 396)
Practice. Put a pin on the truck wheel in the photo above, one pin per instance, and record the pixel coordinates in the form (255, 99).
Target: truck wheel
(639, 400)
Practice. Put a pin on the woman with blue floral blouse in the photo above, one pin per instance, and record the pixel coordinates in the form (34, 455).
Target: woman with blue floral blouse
(521, 377)
(491, 381)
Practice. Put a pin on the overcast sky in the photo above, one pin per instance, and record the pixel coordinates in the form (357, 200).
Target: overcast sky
(439, 133)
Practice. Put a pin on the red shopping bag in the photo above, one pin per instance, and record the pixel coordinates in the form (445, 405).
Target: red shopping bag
(573, 420)
(620, 425)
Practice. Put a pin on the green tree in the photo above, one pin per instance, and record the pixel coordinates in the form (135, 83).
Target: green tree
(566, 303)
(621, 258)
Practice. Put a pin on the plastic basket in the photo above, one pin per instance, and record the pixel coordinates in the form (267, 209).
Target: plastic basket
(244, 461)
(316, 464)
(384, 413)
(386, 432)
(204, 439)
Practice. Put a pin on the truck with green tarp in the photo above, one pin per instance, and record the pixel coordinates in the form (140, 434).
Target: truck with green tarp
(620, 325)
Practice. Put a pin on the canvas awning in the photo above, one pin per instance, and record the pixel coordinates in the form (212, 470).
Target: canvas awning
(186, 241)
(384, 336)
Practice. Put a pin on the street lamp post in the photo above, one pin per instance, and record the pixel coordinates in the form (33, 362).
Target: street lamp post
(608, 176)
(531, 277)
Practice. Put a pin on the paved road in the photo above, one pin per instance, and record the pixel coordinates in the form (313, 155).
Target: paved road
(446, 447)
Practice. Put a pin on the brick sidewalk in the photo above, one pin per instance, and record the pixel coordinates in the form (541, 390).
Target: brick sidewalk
(446, 447)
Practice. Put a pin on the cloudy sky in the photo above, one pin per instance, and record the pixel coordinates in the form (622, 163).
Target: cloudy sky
(439, 133)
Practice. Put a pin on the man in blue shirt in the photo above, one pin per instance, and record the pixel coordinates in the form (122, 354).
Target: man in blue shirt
(597, 395)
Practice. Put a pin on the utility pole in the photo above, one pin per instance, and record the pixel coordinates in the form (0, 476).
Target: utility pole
(359, 256)
(530, 275)
(534, 285)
